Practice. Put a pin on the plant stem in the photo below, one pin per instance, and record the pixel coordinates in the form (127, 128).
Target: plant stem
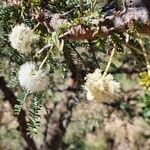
(45, 47)
(110, 60)
(145, 55)
(81, 6)
(79, 55)
(43, 62)
(26, 96)
(36, 27)
(93, 53)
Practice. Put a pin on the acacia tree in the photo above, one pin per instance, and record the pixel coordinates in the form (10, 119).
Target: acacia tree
(68, 51)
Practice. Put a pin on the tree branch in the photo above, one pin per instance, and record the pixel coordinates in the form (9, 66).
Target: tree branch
(9, 96)
(60, 117)
(106, 27)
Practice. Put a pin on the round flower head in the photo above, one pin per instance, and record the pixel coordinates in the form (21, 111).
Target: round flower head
(99, 88)
(21, 38)
(31, 79)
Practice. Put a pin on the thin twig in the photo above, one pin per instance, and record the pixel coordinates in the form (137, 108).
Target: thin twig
(45, 47)
(129, 46)
(110, 61)
(145, 55)
(43, 62)
(93, 53)
(78, 55)
(81, 7)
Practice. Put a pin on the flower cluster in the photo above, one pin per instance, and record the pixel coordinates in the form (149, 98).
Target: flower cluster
(31, 79)
(21, 38)
(101, 88)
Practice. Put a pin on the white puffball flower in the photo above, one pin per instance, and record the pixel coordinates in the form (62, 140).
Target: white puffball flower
(31, 79)
(101, 88)
(21, 38)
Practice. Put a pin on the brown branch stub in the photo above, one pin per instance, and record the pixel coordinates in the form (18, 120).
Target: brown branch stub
(82, 32)
(145, 29)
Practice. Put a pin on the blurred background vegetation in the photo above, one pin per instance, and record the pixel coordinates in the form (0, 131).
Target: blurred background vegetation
(121, 125)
